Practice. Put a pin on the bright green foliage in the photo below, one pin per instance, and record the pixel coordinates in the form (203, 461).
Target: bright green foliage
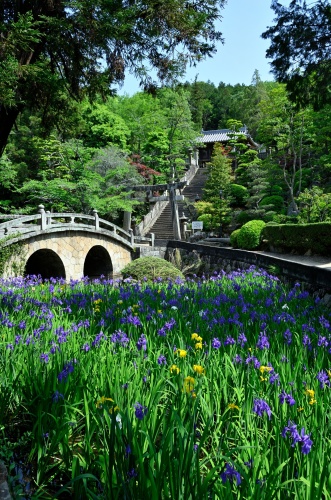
(103, 127)
(234, 238)
(314, 205)
(250, 235)
(212, 214)
(208, 221)
(219, 174)
(151, 268)
(89, 46)
(238, 193)
(219, 178)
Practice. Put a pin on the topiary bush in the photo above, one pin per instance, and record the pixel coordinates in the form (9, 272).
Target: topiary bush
(239, 194)
(276, 203)
(151, 268)
(250, 235)
(234, 238)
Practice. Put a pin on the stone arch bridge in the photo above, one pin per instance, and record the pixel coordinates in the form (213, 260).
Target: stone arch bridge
(65, 245)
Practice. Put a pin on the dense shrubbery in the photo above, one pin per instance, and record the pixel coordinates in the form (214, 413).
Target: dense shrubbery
(151, 268)
(300, 237)
(238, 193)
(248, 215)
(207, 220)
(275, 202)
(249, 236)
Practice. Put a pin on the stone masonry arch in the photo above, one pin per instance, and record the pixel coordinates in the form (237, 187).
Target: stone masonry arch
(98, 263)
(46, 263)
(72, 248)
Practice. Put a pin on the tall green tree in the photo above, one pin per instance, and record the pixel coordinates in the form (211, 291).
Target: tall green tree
(287, 131)
(86, 46)
(300, 50)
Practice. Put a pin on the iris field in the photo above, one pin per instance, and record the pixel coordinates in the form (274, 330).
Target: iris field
(197, 389)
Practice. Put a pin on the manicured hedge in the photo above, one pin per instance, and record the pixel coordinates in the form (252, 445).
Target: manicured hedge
(300, 237)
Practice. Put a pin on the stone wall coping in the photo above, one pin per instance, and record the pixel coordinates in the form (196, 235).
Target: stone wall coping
(317, 276)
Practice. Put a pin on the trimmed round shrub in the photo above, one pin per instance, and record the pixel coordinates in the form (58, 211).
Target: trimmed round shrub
(277, 203)
(250, 235)
(238, 193)
(234, 238)
(151, 268)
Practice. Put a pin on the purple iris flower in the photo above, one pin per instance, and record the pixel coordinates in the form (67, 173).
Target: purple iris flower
(67, 369)
(263, 341)
(274, 378)
(162, 360)
(323, 379)
(216, 343)
(260, 407)
(254, 360)
(142, 343)
(140, 411)
(286, 398)
(120, 337)
(44, 357)
(242, 339)
(231, 474)
(288, 337)
(304, 439)
(237, 359)
(229, 340)
(56, 396)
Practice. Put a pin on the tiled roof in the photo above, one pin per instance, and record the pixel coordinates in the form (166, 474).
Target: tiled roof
(221, 135)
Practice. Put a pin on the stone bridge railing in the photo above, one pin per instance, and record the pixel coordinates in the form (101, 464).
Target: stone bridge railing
(47, 221)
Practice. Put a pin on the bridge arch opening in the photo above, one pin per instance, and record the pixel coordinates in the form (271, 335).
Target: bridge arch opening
(45, 263)
(98, 263)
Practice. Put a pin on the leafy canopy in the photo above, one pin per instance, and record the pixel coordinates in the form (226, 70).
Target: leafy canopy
(300, 49)
(89, 46)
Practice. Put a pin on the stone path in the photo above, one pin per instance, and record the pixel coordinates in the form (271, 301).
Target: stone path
(314, 260)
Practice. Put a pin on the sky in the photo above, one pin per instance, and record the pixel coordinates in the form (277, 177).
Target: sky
(243, 51)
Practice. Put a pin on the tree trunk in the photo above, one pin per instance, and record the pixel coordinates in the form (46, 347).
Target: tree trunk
(8, 118)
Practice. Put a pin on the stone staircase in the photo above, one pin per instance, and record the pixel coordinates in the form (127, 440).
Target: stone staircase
(162, 228)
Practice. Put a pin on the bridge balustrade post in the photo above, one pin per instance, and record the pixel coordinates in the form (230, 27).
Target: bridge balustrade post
(96, 219)
(48, 218)
(152, 239)
(42, 217)
(131, 236)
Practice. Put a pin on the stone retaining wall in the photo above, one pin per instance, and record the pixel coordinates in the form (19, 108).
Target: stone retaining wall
(214, 258)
